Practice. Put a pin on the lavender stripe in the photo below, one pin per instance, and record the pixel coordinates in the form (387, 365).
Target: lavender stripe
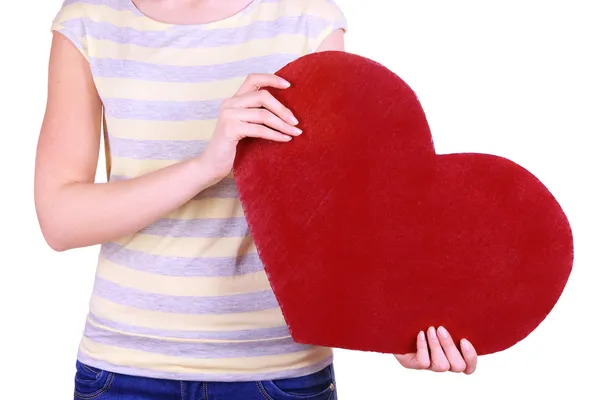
(151, 373)
(185, 37)
(225, 189)
(115, 68)
(156, 149)
(262, 300)
(194, 350)
(181, 266)
(161, 110)
(248, 334)
(199, 228)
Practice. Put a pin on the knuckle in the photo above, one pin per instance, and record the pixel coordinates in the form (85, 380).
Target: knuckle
(423, 364)
(265, 115)
(271, 119)
(227, 114)
(259, 130)
(247, 131)
(264, 95)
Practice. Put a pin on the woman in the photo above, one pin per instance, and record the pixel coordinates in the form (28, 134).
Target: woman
(181, 307)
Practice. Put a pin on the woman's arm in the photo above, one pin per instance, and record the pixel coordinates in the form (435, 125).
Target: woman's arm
(73, 211)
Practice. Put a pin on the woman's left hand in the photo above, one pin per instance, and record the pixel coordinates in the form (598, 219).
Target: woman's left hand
(437, 352)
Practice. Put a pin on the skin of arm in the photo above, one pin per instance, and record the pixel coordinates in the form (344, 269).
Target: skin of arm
(73, 211)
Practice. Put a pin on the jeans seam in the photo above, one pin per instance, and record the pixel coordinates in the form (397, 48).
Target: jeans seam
(100, 392)
(182, 386)
(95, 372)
(263, 392)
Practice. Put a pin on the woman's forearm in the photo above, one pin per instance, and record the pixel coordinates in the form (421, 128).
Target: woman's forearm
(84, 214)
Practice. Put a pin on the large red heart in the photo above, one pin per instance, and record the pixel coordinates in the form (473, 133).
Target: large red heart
(368, 236)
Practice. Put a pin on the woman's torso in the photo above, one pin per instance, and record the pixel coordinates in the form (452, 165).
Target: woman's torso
(187, 297)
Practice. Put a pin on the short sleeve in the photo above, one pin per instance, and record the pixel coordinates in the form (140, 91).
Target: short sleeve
(327, 17)
(70, 22)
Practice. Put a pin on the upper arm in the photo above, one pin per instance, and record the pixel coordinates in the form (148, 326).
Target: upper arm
(69, 140)
(335, 41)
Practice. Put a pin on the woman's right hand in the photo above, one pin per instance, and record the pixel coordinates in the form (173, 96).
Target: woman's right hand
(251, 112)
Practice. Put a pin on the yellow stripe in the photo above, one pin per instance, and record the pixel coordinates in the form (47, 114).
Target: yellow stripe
(173, 364)
(103, 13)
(133, 168)
(183, 286)
(167, 91)
(199, 56)
(108, 310)
(209, 208)
(160, 130)
(189, 247)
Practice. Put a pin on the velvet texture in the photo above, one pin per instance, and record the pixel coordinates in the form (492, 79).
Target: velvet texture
(368, 236)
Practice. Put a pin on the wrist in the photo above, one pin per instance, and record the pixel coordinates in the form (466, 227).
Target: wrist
(207, 170)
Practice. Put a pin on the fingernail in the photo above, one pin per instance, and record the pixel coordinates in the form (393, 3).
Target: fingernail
(466, 344)
(285, 83)
(288, 138)
(298, 130)
(293, 119)
(432, 333)
(422, 336)
(443, 332)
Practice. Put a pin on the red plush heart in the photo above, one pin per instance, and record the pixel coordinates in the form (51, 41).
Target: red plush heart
(368, 236)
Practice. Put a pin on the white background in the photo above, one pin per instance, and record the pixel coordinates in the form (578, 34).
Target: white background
(512, 78)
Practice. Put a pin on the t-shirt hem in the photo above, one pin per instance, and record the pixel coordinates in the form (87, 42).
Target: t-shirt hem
(193, 377)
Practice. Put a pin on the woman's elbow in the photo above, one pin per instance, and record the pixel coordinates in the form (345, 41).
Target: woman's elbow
(55, 236)
(52, 225)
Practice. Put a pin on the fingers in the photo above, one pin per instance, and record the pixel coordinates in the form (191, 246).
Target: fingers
(263, 99)
(256, 81)
(470, 356)
(445, 356)
(267, 118)
(455, 359)
(260, 131)
(439, 362)
(422, 356)
(418, 360)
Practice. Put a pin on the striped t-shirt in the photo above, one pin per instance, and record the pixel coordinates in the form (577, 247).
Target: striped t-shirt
(187, 297)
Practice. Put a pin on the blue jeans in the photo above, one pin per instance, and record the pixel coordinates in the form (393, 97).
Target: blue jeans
(95, 384)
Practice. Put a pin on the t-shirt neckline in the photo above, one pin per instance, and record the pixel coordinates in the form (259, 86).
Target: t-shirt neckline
(134, 8)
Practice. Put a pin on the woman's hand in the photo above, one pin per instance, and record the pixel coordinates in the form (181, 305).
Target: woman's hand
(437, 352)
(251, 112)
